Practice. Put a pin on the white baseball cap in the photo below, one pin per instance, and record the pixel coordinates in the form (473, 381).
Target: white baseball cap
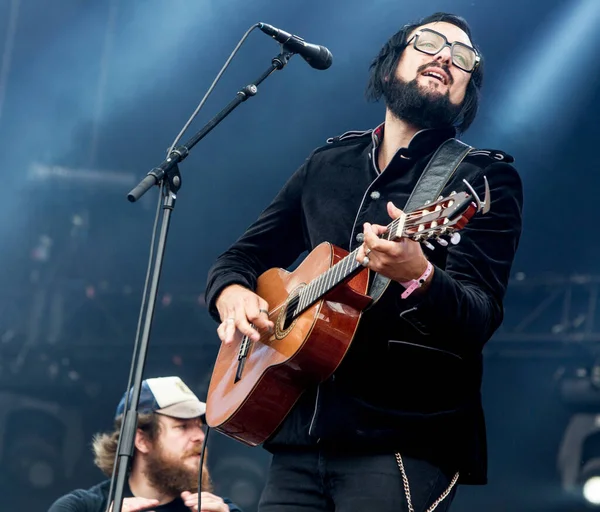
(166, 395)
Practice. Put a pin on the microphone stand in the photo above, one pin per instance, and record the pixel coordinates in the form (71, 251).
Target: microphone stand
(168, 177)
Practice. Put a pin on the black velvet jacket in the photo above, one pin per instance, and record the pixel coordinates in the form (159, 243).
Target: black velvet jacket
(412, 377)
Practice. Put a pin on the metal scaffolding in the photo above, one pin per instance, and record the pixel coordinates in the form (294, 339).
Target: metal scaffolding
(549, 315)
(544, 316)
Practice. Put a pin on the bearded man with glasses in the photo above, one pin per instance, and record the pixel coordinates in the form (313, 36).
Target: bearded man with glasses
(399, 425)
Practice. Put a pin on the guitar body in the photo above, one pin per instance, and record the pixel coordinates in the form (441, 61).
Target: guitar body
(278, 368)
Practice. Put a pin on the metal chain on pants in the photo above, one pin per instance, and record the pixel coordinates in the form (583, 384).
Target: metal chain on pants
(407, 487)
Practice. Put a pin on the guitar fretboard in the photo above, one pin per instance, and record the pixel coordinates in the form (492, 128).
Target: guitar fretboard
(429, 221)
(332, 277)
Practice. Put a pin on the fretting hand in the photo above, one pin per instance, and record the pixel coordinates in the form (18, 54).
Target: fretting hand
(401, 261)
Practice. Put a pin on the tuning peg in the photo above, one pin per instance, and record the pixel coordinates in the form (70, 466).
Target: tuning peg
(428, 245)
(455, 238)
(442, 242)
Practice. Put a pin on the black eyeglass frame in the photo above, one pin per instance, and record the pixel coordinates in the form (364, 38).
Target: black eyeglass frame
(446, 43)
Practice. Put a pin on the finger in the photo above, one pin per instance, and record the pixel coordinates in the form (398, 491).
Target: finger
(372, 241)
(360, 254)
(193, 504)
(210, 497)
(378, 230)
(210, 503)
(387, 247)
(264, 308)
(221, 331)
(393, 212)
(229, 325)
(242, 324)
(224, 312)
(213, 506)
(257, 311)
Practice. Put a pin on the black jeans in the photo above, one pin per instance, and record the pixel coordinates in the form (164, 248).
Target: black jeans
(331, 481)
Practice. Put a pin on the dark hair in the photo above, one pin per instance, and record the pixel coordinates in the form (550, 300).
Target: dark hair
(384, 65)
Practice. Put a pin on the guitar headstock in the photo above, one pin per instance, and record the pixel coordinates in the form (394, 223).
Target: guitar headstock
(440, 218)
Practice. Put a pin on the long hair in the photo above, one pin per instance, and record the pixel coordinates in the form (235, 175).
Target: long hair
(385, 64)
(104, 445)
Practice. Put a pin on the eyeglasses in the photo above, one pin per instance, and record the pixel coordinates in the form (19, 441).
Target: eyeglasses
(432, 42)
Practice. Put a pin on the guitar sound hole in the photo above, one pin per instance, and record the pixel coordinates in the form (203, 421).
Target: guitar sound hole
(289, 318)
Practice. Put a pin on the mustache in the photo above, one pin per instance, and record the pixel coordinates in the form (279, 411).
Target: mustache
(194, 451)
(440, 65)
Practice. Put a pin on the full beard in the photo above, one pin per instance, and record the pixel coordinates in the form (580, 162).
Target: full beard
(173, 477)
(418, 106)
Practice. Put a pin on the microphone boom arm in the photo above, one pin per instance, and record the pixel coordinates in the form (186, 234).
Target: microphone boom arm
(168, 168)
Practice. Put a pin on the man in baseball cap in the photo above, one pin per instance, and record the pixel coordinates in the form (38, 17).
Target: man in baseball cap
(165, 465)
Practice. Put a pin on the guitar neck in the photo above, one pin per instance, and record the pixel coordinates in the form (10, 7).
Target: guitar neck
(338, 273)
(441, 217)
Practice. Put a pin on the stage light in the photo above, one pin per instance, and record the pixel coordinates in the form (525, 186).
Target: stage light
(579, 454)
(591, 490)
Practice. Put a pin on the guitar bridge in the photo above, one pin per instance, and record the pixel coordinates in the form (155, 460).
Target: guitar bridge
(242, 355)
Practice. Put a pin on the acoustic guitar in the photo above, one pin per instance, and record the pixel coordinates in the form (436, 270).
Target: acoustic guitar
(316, 310)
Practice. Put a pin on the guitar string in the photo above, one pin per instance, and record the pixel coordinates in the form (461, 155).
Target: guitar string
(294, 302)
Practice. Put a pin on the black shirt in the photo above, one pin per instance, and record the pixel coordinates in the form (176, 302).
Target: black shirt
(95, 500)
(411, 379)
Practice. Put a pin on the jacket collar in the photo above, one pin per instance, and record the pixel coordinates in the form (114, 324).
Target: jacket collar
(422, 143)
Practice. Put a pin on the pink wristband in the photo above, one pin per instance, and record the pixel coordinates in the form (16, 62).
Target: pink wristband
(411, 286)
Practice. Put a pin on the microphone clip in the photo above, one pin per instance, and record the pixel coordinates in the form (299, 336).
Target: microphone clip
(284, 57)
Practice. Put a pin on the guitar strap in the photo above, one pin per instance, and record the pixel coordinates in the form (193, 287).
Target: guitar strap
(438, 171)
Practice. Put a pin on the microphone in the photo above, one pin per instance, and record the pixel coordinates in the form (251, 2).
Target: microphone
(318, 57)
